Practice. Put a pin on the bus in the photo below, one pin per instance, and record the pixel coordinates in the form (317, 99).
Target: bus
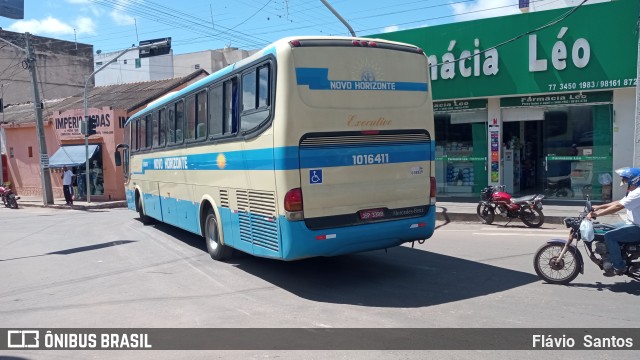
(313, 146)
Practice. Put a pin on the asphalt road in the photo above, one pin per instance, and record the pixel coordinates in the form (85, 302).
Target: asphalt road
(105, 269)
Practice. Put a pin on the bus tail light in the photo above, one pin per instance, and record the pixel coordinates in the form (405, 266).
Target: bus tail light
(294, 43)
(432, 192)
(293, 205)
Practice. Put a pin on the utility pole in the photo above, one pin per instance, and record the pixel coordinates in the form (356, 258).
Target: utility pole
(45, 174)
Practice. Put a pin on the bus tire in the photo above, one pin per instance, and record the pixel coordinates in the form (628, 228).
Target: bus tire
(144, 219)
(216, 249)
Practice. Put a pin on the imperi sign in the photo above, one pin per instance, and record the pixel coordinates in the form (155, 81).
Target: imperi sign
(595, 47)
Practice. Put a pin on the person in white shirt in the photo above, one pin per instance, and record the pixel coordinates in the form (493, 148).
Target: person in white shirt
(67, 179)
(627, 232)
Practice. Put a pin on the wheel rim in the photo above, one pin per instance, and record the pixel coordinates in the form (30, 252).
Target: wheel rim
(531, 216)
(557, 270)
(212, 233)
(484, 212)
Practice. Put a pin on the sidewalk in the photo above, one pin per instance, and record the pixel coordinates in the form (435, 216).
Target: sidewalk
(553, 214)
(59, 203)
(446, 211)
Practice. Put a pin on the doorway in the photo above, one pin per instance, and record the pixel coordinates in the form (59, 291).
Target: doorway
(522, 140)
(565, 156)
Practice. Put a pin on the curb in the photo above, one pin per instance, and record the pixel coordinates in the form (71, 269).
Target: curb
(472, 217)
(109, 205)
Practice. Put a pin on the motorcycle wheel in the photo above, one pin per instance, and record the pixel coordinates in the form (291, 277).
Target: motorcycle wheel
(532, 217)
(485, 213)
(565, 192)
(562, 272)
(13, 203)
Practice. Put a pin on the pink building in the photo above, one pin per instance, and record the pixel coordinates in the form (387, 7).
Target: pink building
(111, 106)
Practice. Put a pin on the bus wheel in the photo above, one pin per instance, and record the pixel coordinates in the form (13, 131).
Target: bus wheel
(217, 250)
(144, 219)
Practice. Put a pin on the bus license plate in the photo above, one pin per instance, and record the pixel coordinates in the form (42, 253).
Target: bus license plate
(371, 214)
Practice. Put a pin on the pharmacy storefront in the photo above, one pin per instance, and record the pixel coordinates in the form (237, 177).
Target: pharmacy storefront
(548, 111)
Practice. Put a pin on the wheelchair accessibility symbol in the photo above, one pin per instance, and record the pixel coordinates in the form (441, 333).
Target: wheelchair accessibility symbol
(315, 176)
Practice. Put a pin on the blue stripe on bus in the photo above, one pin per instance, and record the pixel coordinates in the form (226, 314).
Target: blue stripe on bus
(291, 158)
(364, 155)
(318, 79)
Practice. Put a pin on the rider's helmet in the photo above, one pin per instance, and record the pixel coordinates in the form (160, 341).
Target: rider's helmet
(629, 175)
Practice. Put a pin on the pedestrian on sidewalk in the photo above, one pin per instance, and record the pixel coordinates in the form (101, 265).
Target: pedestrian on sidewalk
(67, 177)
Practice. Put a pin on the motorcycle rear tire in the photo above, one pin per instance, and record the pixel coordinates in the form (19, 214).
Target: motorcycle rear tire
(529, 222)
(485, 213)
(13, 203)
(546, 270)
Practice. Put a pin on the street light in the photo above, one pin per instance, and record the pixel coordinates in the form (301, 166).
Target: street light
(86, 103)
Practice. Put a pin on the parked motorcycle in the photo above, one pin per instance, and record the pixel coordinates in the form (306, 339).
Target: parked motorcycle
(9, 199)
(559, 261)
(494, 200)
(559, 186)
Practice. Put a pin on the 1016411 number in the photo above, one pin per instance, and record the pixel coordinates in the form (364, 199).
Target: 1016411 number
(370, 159)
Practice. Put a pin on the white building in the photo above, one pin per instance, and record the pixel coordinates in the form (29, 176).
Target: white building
(130, 68)
(209, 60)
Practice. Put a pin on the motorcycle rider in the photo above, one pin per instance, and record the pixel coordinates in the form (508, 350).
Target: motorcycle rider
(628, 231)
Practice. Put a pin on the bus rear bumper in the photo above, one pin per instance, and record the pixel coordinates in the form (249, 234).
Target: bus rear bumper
(299, 242)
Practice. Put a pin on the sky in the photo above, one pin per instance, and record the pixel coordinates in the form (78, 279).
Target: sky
(197, 25)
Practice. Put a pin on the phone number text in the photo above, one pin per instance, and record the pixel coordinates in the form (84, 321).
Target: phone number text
(584, 85)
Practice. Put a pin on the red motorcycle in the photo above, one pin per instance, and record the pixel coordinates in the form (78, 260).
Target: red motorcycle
(9, 199)
(494, 200)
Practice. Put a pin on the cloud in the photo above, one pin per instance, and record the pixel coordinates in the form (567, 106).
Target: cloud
(85, 25)
(122, 18)
(53, 26)
(484, 9)
(391, 28)
(119, 14)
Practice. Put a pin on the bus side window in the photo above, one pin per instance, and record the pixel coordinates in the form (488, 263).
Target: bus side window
(255, 98)
(179, 121)
(154, 130)
(230, 106)
(190, 125)
(171, 136)
(201, 115)
(162, 125)
(148, 132)
(139, 133)
(216, 114)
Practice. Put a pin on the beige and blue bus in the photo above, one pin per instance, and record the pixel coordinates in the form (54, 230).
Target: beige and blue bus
(313, 146)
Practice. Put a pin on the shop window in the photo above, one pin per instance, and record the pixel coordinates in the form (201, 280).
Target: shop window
(461, 152)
